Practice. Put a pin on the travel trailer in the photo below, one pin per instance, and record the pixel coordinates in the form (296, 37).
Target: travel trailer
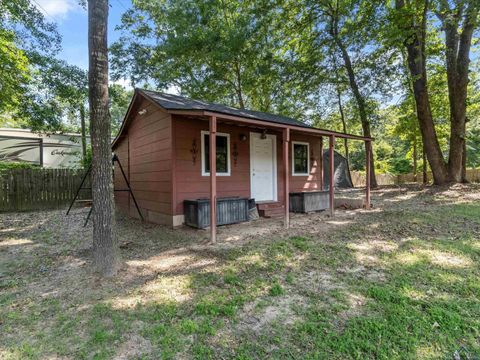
(46, 150)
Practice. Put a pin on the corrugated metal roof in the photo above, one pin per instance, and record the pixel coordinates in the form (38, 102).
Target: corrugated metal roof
(176, 102)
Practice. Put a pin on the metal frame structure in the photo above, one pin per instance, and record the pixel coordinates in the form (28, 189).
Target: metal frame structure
(129, 189)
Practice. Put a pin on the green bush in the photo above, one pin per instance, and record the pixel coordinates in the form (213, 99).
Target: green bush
(87, 161)
(400, 166)
(7, 165)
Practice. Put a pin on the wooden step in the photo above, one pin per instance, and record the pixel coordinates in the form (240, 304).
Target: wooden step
(269, 205)
(271, 210)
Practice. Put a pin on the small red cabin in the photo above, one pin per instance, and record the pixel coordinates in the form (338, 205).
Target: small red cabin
(164, 146)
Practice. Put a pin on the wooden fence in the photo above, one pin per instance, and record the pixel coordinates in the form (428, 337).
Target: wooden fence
(358, 178)
(35, 189)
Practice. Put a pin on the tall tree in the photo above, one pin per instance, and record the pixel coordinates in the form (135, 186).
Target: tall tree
(105, 249)
(338, 91)
(225, 51)
(459, 23)
(411, 20)
(341, 27)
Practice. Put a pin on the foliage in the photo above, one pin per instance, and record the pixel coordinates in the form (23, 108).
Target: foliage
(57, 91)
(400, 166)
(278, 56)
(119, 101)
(7, 165)
(14, 72)
(38, 90)
(87, 161)
(473, 118)
(223, 51)
(23, 18)
(286, 57)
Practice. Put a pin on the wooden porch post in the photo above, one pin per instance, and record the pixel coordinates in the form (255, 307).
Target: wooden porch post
(286, 142)
(41, 152)
(213, 178)
(367, 171)
(320, 164)
(332, 174)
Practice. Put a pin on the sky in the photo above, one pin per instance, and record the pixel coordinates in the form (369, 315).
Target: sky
(71, 20)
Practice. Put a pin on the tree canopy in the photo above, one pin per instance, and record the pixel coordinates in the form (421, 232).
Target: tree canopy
(342, 64)
(404, 72)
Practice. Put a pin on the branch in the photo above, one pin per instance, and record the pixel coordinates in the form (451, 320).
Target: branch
(469, 24)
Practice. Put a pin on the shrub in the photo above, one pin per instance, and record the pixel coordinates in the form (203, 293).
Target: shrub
(7, 165)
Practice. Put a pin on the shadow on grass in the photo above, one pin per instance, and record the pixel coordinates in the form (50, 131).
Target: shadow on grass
(413, 281)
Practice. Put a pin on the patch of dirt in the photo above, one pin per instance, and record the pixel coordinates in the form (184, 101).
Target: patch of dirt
(355, 303)
(371, 273)
(255, 318)
(317, 281)
(134, 347)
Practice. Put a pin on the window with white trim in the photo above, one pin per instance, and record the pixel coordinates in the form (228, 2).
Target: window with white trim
(223, 154)
(300, 158)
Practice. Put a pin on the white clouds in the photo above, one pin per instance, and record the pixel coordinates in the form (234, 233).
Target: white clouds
(56, 9)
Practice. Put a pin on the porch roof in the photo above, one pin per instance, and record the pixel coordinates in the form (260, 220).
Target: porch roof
(180, 105)
(175, 102)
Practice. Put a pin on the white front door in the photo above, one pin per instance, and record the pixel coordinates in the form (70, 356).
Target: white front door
(263, 167)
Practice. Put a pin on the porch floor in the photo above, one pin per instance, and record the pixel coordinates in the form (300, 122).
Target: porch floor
(274, 224)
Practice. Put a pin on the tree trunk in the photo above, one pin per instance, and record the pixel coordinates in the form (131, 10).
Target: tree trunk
(457, 91)
(424, 166)
(415, 46)
(415, 159)
(105, 251)
(464, 164)
(457, 62)
(362, 109)
(84, 132)
(344, 126)
(413, 126)
(239, 86)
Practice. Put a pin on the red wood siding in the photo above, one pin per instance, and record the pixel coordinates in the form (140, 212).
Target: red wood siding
(190, 184)
(312, 181)
(146, 151)
(299, 183)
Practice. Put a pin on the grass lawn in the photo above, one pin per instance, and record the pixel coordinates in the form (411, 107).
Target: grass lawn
(399, 281)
